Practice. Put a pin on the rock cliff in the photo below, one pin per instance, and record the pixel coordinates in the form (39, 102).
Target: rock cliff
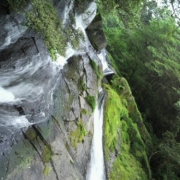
(58, 148)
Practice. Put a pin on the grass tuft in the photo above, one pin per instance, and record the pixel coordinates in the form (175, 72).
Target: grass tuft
(91, 100)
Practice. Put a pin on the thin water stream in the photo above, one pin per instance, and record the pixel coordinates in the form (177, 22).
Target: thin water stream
(96, 168)
(28, 80)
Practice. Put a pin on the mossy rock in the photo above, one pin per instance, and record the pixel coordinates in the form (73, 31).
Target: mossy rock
(47, 154)
(78, 135)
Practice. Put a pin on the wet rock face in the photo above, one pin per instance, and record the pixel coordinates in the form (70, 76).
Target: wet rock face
(58, 149)
(96, 34)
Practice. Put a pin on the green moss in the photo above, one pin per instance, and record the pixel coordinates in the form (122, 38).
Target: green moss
(114, 111)
(46, 170)
(84, 111)
(120, 85)
(91, 100)
(132, 161)
(82, 85)
(126, 167)
(46, 154)
(77, 136)
(31, 134)
(53, 53)
(44, 19)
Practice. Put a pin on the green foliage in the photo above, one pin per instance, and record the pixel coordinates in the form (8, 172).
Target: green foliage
(91, 100)
(147, 54)
(44, 19)
(126, 167)
(118, 119)
(127, 11)
(168, 158)
(77, 136)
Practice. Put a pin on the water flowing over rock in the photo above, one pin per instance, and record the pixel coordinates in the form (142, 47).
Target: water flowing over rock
(46, 123)
(96, 168)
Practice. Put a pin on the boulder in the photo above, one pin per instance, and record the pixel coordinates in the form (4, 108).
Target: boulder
(96, 34)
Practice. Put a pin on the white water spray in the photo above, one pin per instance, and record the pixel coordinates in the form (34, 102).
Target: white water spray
(96, 168)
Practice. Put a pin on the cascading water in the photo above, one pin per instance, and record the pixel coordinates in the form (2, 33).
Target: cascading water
(28, 79)
(96, 168)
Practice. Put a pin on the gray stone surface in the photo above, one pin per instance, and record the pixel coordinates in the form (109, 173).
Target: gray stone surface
(65, 161)
(96, 34)
(46, 150)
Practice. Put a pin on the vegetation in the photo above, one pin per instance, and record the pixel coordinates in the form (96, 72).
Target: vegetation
(122, 131)
(144, 48)
(84, 111)
(46, 170)
(47, 153)
(82, 84)
(43, 17)
(91, 100)
(143, 44)
(77, 136)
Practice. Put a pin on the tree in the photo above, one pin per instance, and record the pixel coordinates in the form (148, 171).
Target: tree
(146, 53)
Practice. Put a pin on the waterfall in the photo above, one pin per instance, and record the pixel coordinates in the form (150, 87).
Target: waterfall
(96, 167)
(28, 79)
(28, 76)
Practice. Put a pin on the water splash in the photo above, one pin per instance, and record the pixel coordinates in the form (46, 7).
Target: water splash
(6, 96)
(103, 57)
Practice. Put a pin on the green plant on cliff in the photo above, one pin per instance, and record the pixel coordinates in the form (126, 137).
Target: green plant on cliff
(78, 135)
(47, 153)
(91, 100)
(43, 17)
(46, 170)
(122, 130)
